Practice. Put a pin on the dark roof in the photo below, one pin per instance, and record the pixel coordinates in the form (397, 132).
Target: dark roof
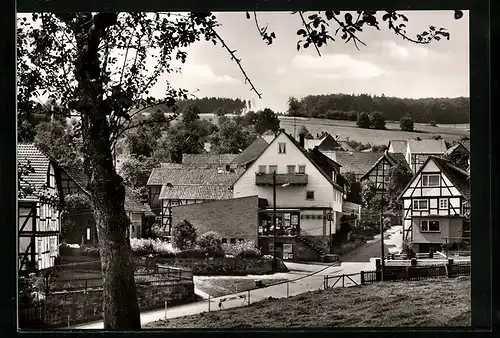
(192, 175)
(458, 177)
(78, 176)
(357, 162)
(39, 162)
(466, 144)
(399, 146)
(215, 159)
(427, 146)
(195, 192)
(393, 158)
(252, 152)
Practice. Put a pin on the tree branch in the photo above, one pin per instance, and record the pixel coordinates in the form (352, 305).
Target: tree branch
(309, 33)
(238, 62)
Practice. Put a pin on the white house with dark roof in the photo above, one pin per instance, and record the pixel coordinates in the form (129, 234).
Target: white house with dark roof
(307, 198)
(178, 184)
(436, 206)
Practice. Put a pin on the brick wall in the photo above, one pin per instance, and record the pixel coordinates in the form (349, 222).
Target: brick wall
(233, 218)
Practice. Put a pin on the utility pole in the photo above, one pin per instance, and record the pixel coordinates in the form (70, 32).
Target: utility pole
(275, 265)
(382, 227)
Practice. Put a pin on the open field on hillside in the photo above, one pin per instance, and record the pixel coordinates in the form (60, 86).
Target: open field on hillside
(443, 302)
(348, 129)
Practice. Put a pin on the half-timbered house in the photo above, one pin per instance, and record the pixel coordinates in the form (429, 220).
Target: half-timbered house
(379, 172)
(39, 222)
(436, 206)
(419, 150)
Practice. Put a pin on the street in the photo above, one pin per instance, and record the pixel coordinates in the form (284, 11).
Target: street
(303, 278)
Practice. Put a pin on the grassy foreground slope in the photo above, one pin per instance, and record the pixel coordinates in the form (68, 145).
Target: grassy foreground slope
(439, 302)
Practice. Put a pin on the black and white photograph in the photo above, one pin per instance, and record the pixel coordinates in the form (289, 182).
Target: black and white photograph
(243, 170)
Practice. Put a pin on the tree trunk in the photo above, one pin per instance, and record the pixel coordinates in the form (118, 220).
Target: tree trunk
(120, 306)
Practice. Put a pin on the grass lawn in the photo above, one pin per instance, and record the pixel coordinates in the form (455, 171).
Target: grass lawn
(439, 302)
(219, 286)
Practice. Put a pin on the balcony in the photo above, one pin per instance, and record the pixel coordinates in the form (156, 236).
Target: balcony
(291, 179)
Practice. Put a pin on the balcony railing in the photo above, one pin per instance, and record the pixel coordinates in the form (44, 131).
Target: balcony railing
(292, 179)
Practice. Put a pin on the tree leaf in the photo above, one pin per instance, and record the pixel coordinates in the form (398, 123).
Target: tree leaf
(301, 32)
(329, 15)
(458, 15)
(248, 15)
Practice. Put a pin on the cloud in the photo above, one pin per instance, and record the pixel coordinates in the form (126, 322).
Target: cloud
(396, 51)
(337, 66)
(280, 70)
(203, 74)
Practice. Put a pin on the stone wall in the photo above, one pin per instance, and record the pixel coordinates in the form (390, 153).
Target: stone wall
(225, 266)
(86, 306)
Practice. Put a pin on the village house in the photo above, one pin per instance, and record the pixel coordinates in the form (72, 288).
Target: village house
(208, 159)
(398, 146)
(417, 151)
(355, 162)
(436, 206)
(39, 222)
(379, 173)
(459, 153)
(308, 199)
(325, 142)
(179, 184)
(251, 153)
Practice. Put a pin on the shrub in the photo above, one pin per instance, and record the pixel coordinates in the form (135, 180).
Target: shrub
(163, 247)
(406, 123)
(184, 235)
(377, 120)
(193, 252)
(245, 249)
(210, 242)
(363, 121)
(432, 123)
(141, 246)
(158, 231)
(408, 250)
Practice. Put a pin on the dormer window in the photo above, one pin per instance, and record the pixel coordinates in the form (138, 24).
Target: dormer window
(282, 148)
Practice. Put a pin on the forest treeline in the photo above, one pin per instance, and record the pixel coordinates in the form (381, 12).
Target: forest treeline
(211, 104)
(346, 107)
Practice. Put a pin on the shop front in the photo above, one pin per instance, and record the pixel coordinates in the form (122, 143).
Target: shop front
(287, 222)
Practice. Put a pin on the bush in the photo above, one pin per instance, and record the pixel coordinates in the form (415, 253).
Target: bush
(377, 120)
(193, 252)
(408, 250)
(432, 123)
(364, 121)
(245, 249)
(184, 235)
(210, 242)
(406, 123)
(141, 246)
(158, 231)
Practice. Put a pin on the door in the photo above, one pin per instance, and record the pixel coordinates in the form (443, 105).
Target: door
(279, 250)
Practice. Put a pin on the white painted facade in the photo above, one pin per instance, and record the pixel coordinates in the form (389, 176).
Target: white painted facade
(440, 202)
(325, 194)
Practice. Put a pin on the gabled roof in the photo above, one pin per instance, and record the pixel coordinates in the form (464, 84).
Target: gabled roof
(215, 159)
(198, 192)
(399, 146)
(192, 175)
(268, 138)
(305, 153)
(393, 158)
(39, 162)
(466, 144)
(345, 145)
(427, 146)
(357, 162)
(457, 146)
(252, 152)
(458, 177)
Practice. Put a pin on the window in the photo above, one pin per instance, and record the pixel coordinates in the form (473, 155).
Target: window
(290, 169)
(224, 240)
(262, 169)
(429, 226)
(309, 195)
(302, 169)
(273, 168)
(174, 203)
(420, 204)
(443, 203)
(431, 180)
(232, 240)
(282, 148)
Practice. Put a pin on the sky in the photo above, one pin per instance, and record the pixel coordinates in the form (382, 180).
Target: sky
(387, 65)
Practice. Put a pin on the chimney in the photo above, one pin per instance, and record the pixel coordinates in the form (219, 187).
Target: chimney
(301, 140)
